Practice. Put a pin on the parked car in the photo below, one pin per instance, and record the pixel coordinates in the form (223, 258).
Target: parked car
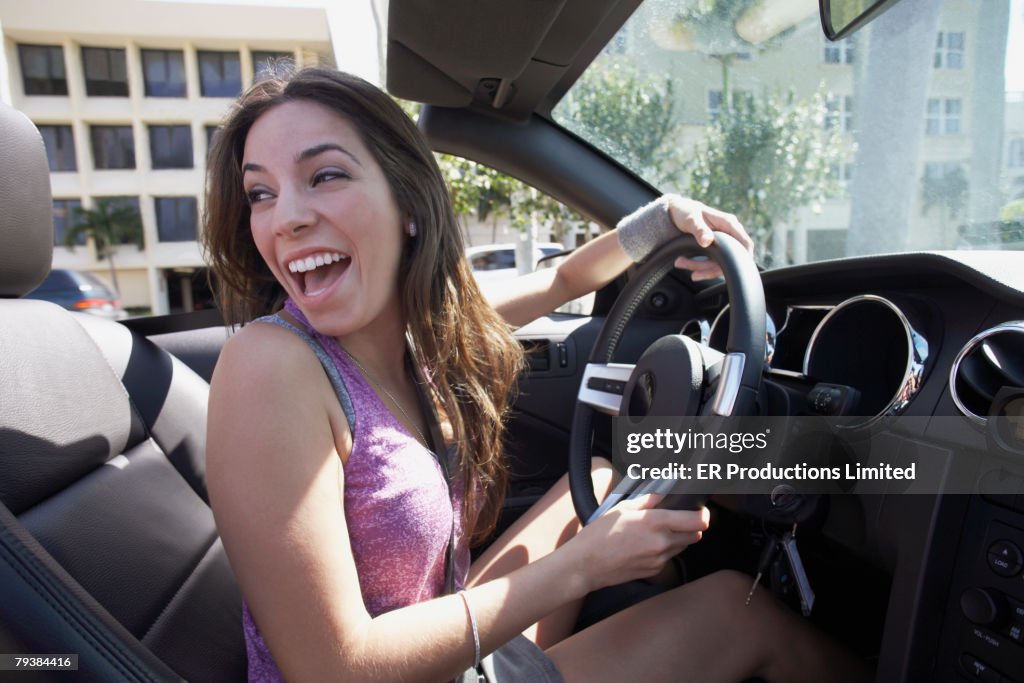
(78, 290)
(885, 296)
(491, 262)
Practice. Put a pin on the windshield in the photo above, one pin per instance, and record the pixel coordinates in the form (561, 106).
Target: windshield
(907, 135)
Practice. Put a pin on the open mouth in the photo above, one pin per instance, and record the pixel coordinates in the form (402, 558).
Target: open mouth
(316, 272)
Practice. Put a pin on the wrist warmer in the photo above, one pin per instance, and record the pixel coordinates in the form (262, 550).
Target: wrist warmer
(646, 229)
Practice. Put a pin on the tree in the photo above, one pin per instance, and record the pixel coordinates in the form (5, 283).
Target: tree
(727, 30)
(629, 116)
(765, 158)
(110, 222)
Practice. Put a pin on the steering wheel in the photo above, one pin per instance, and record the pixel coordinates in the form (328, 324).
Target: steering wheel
(675, 376)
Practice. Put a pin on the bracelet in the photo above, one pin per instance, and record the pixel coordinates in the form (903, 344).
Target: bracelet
(472, 624)
(646, 229)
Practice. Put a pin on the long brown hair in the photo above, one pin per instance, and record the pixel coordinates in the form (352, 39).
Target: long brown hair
(468, 349)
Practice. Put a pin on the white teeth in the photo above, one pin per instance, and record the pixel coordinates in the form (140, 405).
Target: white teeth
(304, 265)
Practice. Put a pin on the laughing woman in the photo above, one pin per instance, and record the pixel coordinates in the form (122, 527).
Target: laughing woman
(355, 430)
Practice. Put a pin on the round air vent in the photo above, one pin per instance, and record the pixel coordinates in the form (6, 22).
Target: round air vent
(697, 329)
(990, 361)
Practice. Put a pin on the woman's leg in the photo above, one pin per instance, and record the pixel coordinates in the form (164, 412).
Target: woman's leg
(702, 631)
(549, 523)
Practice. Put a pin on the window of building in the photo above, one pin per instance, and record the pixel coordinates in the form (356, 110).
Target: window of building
(176, 218)
(949, 50)
(220, 74)
(264, 61)
(170, 146)
(1015, 154)
(60, 147)
(42, 69)
(106, 72)
(112, 147)
(943, 116)
(64, 216)
(841, 52)
(939, 170)
(164, 73)
(839, 113)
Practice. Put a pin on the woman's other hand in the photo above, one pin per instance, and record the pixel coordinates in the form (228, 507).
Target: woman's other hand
(634, 540)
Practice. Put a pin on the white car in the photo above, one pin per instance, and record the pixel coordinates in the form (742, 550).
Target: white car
(491, 262)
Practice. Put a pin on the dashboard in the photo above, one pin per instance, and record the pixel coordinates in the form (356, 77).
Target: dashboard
(934, 337)
(939, 339)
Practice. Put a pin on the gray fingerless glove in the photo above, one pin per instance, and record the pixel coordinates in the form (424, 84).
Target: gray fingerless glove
(646, 229)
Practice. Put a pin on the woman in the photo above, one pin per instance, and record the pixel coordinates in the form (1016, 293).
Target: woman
(335, 515)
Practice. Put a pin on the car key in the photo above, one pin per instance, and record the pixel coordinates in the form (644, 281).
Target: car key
(771, 547)
(803, 585)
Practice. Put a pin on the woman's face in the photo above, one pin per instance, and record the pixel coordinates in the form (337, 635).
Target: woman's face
(324, 219)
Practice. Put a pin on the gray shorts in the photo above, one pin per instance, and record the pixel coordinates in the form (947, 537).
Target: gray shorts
(517, 661)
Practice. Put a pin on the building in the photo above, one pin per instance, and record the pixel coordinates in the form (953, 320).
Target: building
(127, 94)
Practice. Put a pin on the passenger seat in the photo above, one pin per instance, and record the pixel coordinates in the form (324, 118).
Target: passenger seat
(108, 549)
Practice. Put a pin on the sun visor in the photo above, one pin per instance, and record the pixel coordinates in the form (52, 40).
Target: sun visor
(438, 52)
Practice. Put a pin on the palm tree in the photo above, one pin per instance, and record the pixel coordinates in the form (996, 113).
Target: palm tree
(111, 221)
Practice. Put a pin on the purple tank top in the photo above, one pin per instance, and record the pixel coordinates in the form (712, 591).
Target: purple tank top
(397, 508)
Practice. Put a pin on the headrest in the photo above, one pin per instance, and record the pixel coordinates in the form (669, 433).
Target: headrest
(26, 207)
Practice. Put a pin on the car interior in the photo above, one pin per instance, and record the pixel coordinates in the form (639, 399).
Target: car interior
(108, 548)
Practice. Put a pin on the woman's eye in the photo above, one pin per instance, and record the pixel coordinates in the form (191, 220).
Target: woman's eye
(328, 174)
(257, 195)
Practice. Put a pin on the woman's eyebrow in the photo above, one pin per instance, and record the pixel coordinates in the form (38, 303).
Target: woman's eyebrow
(320, 149)
(256, 168)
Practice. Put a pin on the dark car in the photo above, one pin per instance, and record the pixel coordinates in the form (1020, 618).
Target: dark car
(77, 290)
(887, 304)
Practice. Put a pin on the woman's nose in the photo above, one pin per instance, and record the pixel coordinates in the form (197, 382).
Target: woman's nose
(292, 213)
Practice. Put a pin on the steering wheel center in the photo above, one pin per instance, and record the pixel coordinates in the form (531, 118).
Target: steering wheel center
(667, 380)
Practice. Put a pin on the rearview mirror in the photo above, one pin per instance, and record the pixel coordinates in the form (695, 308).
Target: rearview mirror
(840, 18)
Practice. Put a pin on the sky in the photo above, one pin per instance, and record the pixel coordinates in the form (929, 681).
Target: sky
(353, 28)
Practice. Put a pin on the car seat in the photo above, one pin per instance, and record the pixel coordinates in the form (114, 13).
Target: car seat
(108, 548)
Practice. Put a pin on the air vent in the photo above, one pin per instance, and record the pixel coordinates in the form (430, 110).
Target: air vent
(697, 329)
(990, 361)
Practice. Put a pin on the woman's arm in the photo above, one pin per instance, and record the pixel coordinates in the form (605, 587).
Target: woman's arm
(600, 261)
(277, 438)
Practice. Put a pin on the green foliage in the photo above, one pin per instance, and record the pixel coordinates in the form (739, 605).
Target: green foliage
(483, 192)
(626, 114)
(110, 222)
(1013, 211)
(766, 157)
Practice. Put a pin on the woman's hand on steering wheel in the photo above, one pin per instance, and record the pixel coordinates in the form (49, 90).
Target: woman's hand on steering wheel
(696, 218)
(644, 537)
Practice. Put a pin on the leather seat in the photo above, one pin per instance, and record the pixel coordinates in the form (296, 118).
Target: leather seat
(108, 548)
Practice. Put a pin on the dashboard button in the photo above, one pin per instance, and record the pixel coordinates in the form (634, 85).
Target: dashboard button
(979, 670)
(1005, 558)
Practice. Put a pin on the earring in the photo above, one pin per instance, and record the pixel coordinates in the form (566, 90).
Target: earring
(411, 229)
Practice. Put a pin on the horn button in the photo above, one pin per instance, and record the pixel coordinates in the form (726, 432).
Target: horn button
(667, 380)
